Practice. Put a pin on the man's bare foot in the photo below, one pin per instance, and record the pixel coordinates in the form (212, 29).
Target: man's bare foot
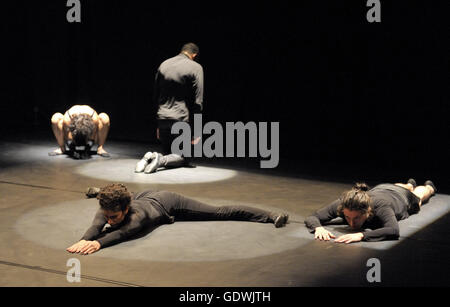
(56, 152)
(431, 186)
(102, 152)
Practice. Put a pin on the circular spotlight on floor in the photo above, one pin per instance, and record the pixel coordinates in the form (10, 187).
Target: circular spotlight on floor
(63, 224)
(122, 170)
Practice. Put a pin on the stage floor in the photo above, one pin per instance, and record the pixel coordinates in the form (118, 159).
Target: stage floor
(44, 210)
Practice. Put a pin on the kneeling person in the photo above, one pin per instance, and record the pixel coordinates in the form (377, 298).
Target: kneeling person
(80, 126)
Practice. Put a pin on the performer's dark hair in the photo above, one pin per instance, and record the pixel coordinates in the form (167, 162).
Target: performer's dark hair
(190, 48)
(114, 197)
(357, 199)
(81, 127)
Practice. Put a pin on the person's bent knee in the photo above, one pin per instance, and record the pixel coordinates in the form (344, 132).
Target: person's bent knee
(104, 118)
(57, 118)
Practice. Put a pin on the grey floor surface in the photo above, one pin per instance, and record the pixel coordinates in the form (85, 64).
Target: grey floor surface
(44, 210)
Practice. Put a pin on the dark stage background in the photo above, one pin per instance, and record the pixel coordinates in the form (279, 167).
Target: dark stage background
(346, 92)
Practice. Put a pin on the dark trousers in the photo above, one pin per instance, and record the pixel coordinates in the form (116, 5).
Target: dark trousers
(166, 138)
(181, 208)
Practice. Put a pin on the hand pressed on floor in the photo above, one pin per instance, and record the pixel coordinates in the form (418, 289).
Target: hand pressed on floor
(84, 247)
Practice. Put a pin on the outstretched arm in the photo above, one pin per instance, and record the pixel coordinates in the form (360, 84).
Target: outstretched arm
(86, 245)
(97, 226)
(390, 229)
(130, 227)
(326, 214)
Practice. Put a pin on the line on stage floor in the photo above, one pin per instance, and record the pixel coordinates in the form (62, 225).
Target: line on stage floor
(38, 268)
(38, 186)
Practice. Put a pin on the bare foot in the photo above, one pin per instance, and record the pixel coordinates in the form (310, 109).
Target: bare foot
(56, 152)
(102, 152)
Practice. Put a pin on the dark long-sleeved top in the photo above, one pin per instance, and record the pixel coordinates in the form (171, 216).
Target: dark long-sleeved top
(388, 205)
(145, 211)
(178, 91)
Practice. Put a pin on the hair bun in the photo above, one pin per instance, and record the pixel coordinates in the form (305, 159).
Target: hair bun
(360, 186)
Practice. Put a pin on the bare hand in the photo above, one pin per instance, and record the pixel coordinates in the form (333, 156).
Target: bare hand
(323, 234)
(195, 141)
(76, 248)
(349, 238)
(84, 247)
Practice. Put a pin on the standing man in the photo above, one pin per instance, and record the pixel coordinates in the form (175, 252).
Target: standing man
(178, 95)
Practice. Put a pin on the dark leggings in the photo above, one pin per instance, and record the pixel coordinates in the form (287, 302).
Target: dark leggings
(182, 208)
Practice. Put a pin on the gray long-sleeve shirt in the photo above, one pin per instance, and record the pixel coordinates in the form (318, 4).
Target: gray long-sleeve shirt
(145, 211)
(178, 91)
(388, 205)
